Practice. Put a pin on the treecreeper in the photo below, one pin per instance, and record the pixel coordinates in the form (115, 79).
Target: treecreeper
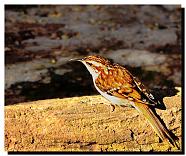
(121, 88)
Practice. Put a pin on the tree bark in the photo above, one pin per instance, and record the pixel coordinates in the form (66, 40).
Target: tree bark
(86, 124)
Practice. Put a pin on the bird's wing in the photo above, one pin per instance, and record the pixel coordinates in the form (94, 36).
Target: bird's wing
(145, 91)
(122, 85)
(134, 95)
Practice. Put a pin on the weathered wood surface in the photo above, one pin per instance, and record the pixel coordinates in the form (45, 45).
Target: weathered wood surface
(86, 124)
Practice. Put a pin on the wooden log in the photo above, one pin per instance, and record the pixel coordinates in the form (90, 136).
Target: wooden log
(86, 124)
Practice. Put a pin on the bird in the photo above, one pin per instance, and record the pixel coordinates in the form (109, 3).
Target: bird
(115, 83)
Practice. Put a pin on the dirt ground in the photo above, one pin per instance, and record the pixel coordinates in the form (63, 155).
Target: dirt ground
(40, 40)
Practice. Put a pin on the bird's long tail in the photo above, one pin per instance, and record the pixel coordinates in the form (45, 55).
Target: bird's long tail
(155, 123)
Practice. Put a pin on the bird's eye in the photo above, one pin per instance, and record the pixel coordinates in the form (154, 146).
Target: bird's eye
(90, 64)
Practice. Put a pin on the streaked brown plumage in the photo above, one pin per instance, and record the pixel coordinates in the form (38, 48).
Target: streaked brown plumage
(120, 87)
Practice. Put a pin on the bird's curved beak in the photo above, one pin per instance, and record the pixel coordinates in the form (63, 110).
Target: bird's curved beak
(76, 59)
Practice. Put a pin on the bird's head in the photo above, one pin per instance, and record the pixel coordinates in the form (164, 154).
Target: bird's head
(96, 64)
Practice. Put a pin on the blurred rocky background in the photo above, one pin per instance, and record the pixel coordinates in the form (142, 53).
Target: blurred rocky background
(41, 39)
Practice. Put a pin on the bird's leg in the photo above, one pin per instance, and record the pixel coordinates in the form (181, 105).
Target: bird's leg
(112, 107)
